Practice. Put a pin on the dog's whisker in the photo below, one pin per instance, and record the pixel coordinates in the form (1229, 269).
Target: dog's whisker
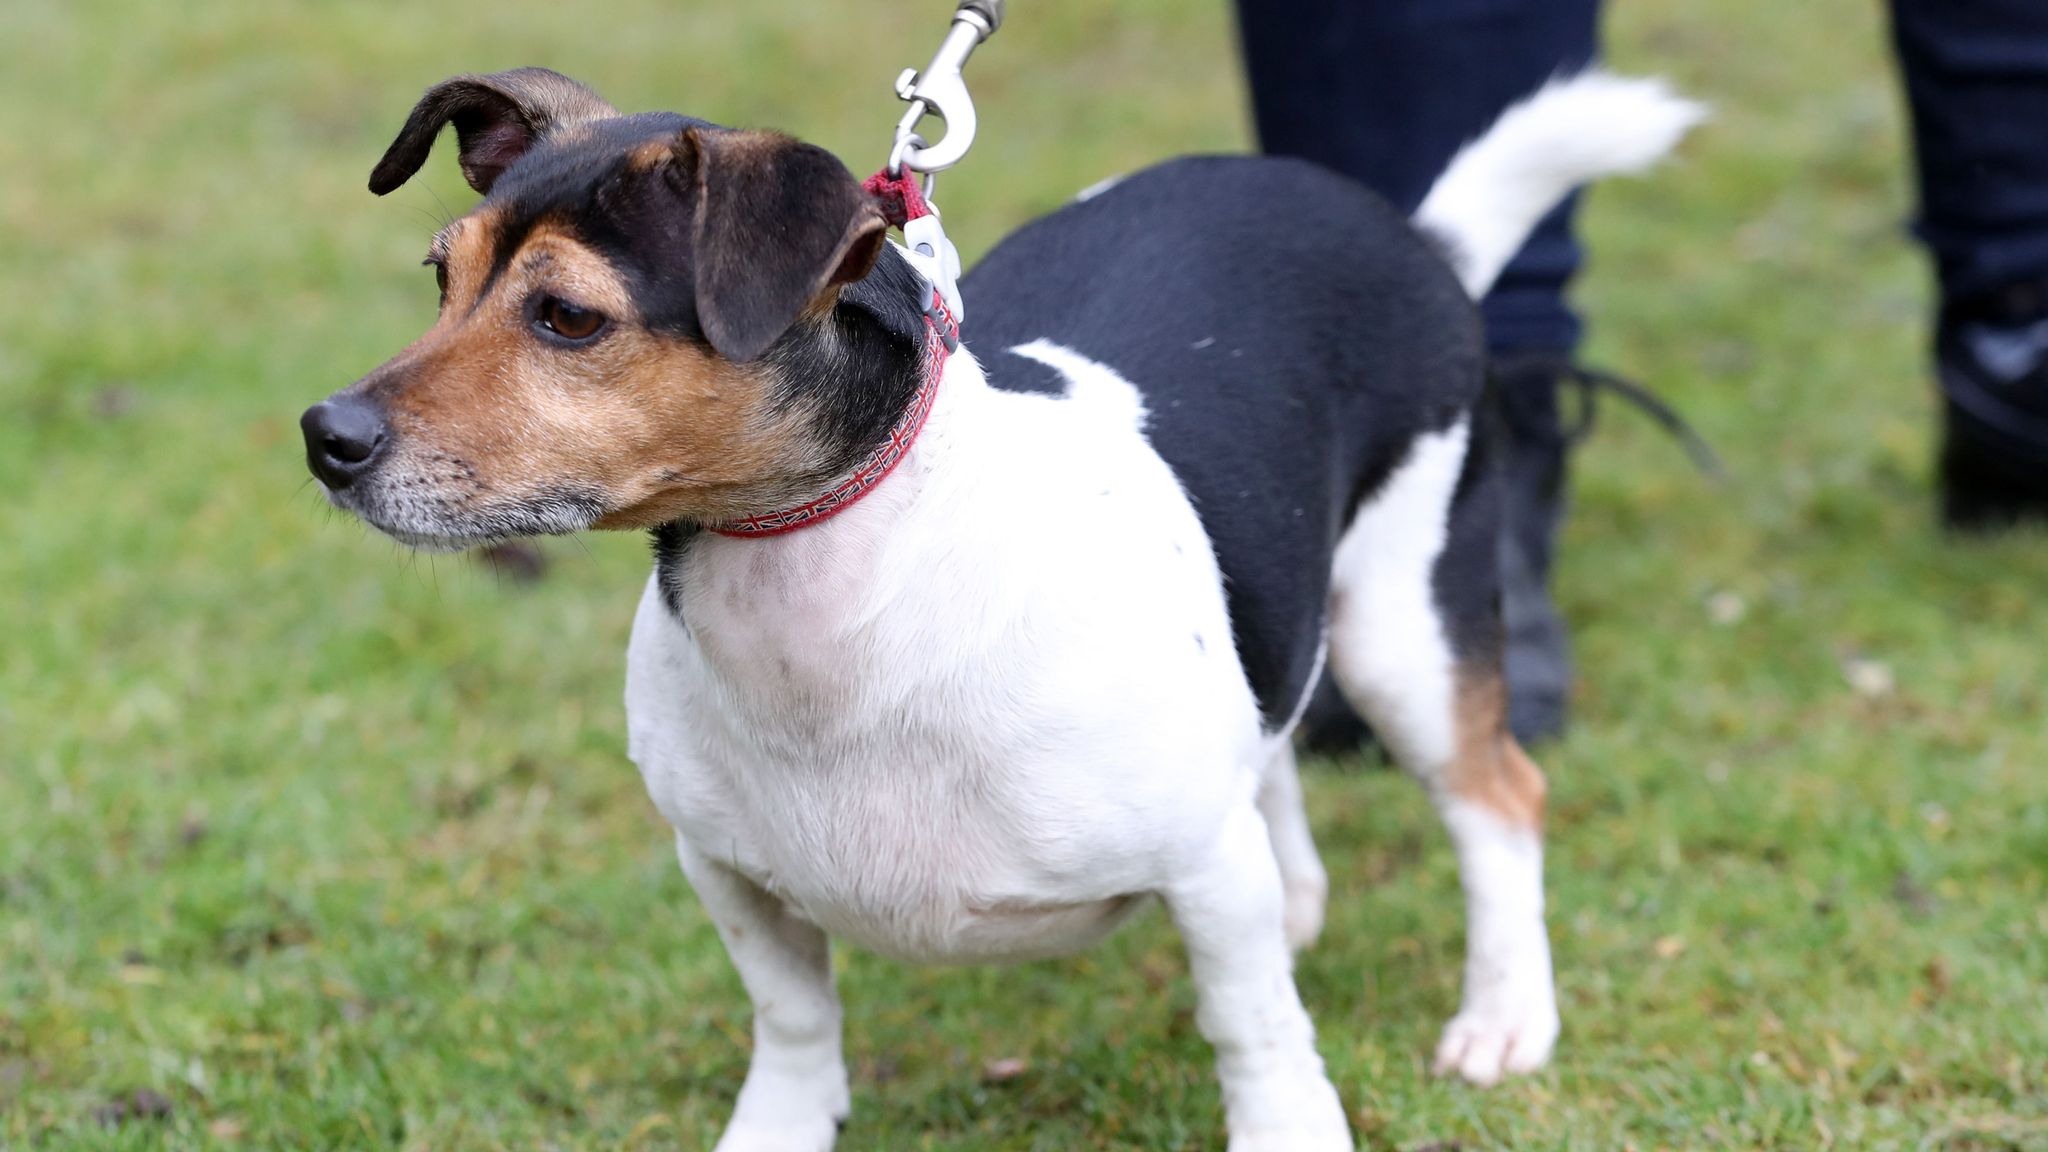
(447, 213)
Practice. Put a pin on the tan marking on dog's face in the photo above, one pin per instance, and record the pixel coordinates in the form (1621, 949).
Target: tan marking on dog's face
(491, 411)
(1489, 768)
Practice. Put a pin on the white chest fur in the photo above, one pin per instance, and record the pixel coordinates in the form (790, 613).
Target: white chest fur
(974, 716)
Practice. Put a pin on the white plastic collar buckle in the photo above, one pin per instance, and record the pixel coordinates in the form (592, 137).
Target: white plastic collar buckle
(929, 251)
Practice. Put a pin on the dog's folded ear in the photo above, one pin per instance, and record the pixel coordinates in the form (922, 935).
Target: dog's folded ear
(497, 118)
(778, 222)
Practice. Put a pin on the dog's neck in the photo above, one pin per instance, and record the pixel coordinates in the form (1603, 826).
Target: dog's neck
(856, 369)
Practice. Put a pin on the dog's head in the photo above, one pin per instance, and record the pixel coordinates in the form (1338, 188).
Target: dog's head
(617, 316)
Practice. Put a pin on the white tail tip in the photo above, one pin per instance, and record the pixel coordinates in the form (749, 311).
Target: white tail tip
(1572, 131)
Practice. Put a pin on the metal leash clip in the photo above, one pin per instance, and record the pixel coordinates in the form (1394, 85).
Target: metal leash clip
(940, 89)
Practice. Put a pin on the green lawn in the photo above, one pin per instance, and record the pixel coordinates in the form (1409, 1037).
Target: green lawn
(329, 846)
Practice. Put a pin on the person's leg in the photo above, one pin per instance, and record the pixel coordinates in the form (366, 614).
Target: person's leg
(1976, 74)
(1386, 91)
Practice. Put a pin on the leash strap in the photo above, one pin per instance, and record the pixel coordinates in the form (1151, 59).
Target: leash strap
(905, 205)
(901, 199)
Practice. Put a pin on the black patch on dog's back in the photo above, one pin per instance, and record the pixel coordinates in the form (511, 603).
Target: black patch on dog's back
(1291, 334)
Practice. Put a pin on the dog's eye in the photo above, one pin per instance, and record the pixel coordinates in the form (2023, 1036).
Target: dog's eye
(567, 320)
(440, 276)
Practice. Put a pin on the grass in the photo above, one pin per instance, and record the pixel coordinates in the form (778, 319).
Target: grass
(328, 846)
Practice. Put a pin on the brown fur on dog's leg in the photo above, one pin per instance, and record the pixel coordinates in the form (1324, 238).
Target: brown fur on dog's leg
(1490, 769)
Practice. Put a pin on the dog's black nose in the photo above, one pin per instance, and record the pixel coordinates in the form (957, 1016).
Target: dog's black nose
(342, 438)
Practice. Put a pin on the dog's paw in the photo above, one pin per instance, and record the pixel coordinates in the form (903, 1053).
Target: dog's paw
(1292, 1140)
(1504, 1035)
(796, 1102)
(813, 1134)
(1302, 915)
(1295, 1114)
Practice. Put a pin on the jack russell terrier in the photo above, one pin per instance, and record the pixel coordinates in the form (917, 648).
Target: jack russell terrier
(968, 653)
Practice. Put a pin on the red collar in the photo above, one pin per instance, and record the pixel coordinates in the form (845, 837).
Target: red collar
(901, 201)
(941, 337)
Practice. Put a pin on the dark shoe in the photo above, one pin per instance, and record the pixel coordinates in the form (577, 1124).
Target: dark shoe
(1531, 466)
(1992, 353)
(1527, 441)
(1534, 438)
(1530, 442)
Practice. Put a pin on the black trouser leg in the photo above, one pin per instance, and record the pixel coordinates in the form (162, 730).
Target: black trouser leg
(1976, 76)
(1387, 91)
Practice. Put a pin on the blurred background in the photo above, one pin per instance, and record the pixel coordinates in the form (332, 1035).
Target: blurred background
(306, 841)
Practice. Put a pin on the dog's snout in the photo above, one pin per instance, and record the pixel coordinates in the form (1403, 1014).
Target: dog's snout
(343, 436)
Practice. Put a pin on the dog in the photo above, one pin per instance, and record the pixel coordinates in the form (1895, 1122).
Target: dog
(968, 652)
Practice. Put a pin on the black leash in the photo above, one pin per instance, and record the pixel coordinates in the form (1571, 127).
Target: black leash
(1590, 382)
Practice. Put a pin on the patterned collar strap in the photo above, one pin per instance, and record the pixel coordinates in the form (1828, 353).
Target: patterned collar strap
(942, 336)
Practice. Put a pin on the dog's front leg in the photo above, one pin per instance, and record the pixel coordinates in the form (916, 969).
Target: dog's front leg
(1228, 907)
(795, 1096)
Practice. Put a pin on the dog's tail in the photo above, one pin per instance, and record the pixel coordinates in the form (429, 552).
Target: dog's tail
(1573, 131)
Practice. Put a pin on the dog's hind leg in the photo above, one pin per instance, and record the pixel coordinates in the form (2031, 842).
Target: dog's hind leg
(795, 1095)
(1416, 645)
(1305, 885)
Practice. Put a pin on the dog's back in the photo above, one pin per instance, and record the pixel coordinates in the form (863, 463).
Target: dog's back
(1291, 333)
